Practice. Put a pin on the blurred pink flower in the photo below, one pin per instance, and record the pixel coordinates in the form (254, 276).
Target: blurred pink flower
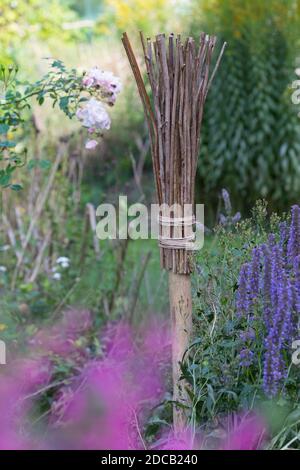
(110, 396)
(91, 144)
(106, 82)
(87, 81)
(31, 374)
(17, 388)
(92, 114)
(177, 441)
(62, 338)
(106, 405)
(249, 434)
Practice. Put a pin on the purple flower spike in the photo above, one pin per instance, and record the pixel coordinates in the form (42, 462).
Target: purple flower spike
(270, 282)
(246, 357)
(255, 274)
(227, 203)
(243, 301)
(293, 247)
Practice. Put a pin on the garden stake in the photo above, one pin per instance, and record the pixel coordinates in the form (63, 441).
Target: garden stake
(178, 72)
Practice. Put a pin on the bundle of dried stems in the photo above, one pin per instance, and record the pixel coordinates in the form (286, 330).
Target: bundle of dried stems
(179, 77)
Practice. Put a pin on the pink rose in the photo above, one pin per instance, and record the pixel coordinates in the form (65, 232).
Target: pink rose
(91, 144)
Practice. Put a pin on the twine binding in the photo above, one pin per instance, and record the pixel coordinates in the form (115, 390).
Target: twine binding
(172, 242)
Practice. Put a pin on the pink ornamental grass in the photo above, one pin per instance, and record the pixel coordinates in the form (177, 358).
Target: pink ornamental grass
(106, 405)
(66, 338)
(110, 396)
(249, 434)
(17, 389)
(185, 440)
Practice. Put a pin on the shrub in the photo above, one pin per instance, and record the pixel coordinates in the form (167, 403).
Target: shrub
(251, 129)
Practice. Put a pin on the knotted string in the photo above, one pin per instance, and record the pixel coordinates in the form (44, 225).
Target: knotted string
(176, 243)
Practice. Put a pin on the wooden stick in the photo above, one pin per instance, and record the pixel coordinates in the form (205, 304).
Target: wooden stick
(216, 67)
(136, 286)
(39, 258)
(181, 318)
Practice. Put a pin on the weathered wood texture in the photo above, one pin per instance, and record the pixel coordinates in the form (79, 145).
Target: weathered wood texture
(181, 319)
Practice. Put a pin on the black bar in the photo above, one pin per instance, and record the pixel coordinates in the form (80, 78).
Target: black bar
(137, 459)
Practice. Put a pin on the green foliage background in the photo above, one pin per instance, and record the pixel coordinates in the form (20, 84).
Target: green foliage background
(251, 134)
(22, 21)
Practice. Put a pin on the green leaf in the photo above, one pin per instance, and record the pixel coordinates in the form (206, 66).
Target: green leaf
(16, 187)
(294, 416)
(4, 128)
(58, 64)
(45, 164)
(63, 103)
(32, 164)
(7, 144)
(4, 179)
(35, 163)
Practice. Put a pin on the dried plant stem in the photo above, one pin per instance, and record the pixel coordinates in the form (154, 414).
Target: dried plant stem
(11, 235)
(38, 210)
(89, 223)
(136, 286)
(40, 255)
(122, 252)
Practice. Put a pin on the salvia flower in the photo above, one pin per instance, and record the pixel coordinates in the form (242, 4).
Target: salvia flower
(255, 274)
(246, 357)
(243, 300)
(228, 219)
(247, 335)
(293, 247)
(266, 285)
(283, 232)
(296, 292)
(270, 282)
(236, 218)
(227, 202)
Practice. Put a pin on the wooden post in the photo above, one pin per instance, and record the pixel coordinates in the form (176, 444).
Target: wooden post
(181, 319)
